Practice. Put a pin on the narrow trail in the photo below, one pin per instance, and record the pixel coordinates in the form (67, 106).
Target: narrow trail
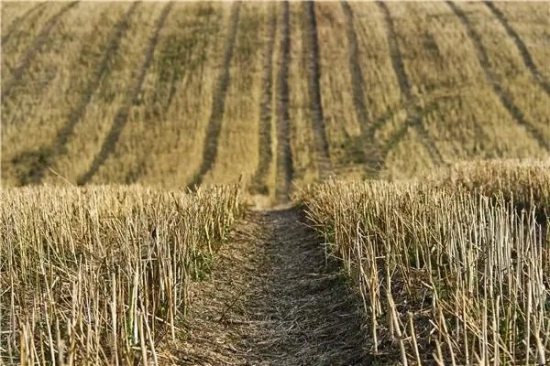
(314, 91)
(284, 163)
(273, 299)
(505, 98)
(414, 112)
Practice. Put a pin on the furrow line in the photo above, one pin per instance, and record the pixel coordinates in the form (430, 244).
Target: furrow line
(314, 91)
(414, 112)
(109, 143)
(505, 99)
(522, 48)
(33, 50)
(370, 146)
(39, 8)
(218, 105)
(265, 139)
(63, 135)
(285, 168)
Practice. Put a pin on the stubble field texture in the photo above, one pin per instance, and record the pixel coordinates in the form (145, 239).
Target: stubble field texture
(275, 183)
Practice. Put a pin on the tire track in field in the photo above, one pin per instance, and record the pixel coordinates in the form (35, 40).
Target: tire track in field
(109, 143)
(285, 166)
(265, 143)
(40, 7)
(46, 156)
(33, 50)
(210, 150)
(414, 112)
(522, 48)
(314, 91)
(371, 147)
(505, 99)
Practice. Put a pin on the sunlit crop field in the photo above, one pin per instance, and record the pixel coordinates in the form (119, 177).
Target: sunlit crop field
(282, 94)
(408, 140)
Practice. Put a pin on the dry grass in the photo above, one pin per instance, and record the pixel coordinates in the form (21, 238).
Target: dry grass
(99, 275)
(530, 22)
(23, 37)
(403, 88)
(342, 122)
(168, 95)
(42, 101)
(178, 96)
(239, 135)
(301, 135)
(114, 95)
(453, 269)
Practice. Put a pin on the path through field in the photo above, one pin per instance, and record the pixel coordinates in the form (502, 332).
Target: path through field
(273, 299)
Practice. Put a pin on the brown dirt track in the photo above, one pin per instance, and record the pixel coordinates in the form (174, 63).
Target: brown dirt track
(273, 299)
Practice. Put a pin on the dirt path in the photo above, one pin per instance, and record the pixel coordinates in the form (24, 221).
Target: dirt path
(273, 299)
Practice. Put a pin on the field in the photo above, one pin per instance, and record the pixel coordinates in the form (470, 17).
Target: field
(362, 153)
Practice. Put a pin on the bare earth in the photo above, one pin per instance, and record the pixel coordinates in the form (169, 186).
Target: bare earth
(273, 299)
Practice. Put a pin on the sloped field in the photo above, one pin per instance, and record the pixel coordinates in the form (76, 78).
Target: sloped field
(282, 94)
(349, 117)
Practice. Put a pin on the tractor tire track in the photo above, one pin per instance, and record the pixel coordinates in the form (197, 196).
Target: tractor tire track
(33, 50)
(64, 134)
(285, 166)
(370, 145)
(210, 151)
(265, 143)
(505, 99)
(121, 117)
(414, 112)
(522, 48)
(39, 8)
(314, 91)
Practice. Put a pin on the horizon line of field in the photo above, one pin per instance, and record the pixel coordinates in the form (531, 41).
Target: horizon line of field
(109, 143)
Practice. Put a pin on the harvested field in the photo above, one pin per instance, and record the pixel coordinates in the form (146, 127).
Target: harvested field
(366, 85)
(274, 183)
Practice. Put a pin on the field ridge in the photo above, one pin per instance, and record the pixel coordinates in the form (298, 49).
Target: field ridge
(505, 99)
(120, 119)
(33, 50)
(274, 299)
(210, 150)
(314, 91)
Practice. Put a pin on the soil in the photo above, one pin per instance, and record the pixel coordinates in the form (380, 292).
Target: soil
(273, 298)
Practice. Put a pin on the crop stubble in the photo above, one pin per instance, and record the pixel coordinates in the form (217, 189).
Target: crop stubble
(121, 117)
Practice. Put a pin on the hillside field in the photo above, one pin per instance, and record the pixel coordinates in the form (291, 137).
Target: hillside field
(275, 183)
(283, 94)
